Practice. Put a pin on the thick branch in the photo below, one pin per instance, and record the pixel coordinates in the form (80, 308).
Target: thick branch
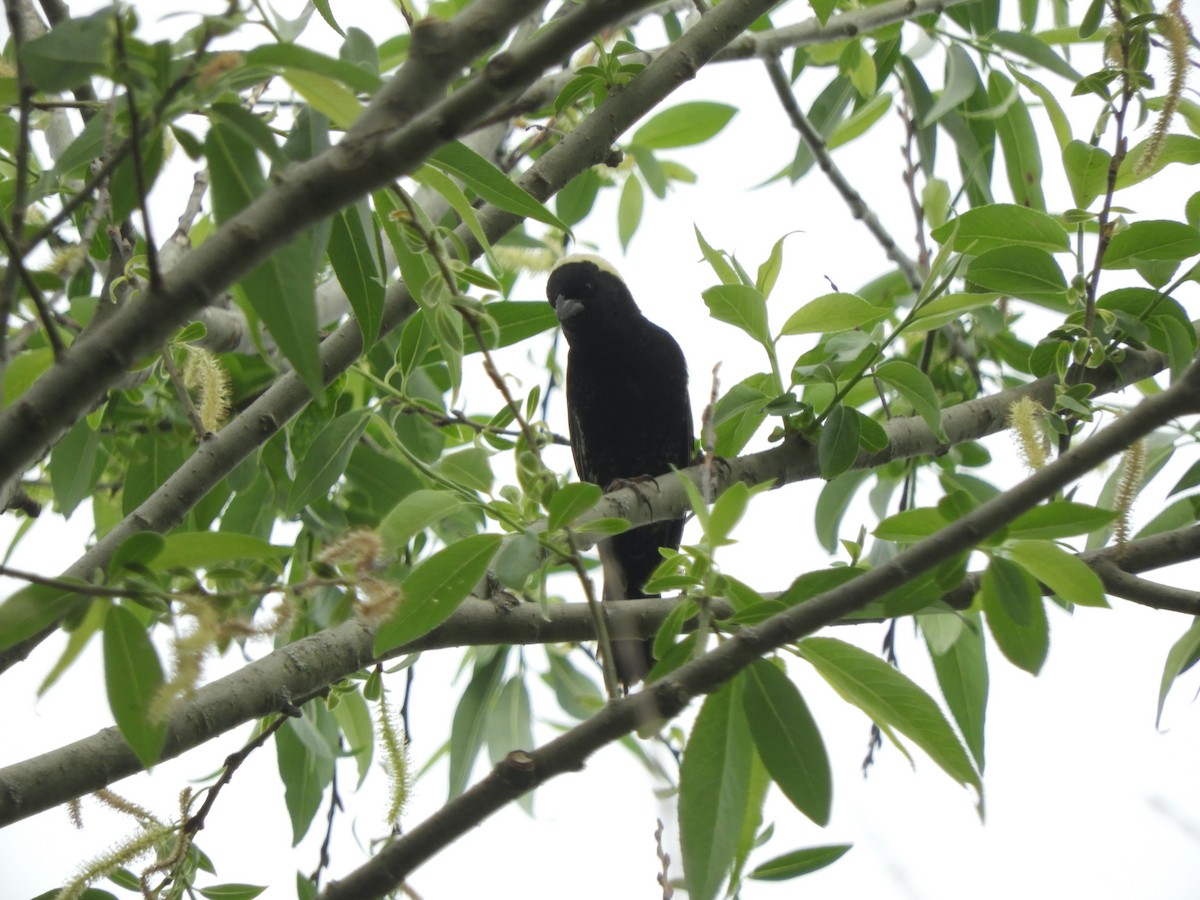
(365, 160)
(522, 771)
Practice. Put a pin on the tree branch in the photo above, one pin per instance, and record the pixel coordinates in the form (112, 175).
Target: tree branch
(522, 771)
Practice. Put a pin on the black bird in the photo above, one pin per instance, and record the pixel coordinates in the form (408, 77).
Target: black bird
(629, 416)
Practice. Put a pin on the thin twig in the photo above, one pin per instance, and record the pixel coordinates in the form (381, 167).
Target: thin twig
(858, 207)
(185, 399)
(602, 637)
(35, 293)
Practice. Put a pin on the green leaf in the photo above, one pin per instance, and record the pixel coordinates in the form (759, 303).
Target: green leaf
(1062, 572)
(714, 790)
(727, 511)
(1000, 226)
(206, 549)
(860, 121)
(961, 82)
(356, 263)
(1054, 111)
(133, 676)
(73, 467)
(325, 462)
(293, 57)
(305, 759)
(629, 210)
(570, 502)
(23, 370)
(1151, 241)
(768, 272)
(443, 184)
(1038, 51)
(832, 313)
(280, 290)
(949, 308)
(1059, 519)
(1024, 272)
(328, 97)
(491, 184)
(739, 305)
(1087, 171)
(70, 53)
(684, 125)
(1015, 614)
(1177, 148)
(510, 727)
(799, 862)
(435, 588)
(576, 200)
(893, 701)
(838, 446)
(915, 387)
(962, 674)
(412, 515)
(1022, 158)
(911, 525)
(32, 608)
(353, 718)
(715, 259)
(786, 737)
(231, 891)
(470, 468)
(1181, 657)
(471, 717)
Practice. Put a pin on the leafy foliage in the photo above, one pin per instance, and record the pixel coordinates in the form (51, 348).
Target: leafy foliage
(369, 251)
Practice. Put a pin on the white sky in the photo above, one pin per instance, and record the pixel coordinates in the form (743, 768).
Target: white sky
(1084, 796)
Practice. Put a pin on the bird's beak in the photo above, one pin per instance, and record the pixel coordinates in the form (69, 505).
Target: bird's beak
(567, 307)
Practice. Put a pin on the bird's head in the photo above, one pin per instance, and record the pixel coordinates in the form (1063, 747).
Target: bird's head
(588, 296)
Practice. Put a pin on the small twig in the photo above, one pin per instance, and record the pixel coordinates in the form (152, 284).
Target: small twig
(181, 391)
(858, 207)
(232, 763)
(17, 264)
(335, 804)
(663, 877)
(609, 668)
(8, 287)
(139, 170)
(909, 117)
(456, 418)
(708, 434)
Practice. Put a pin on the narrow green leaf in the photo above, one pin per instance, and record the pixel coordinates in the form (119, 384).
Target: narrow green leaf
(832, 313)
(1054, 111)
(305, 760)
(1022, 158)
(510, 727)
(714, 790)
(715, 259)
(570, 502)
(470, 468)
(204, 549)
(133, 676)
(962, 674)
(629, 210)
(768, 272)
(799, 862)
(353, 718)
(32, 608)
(1181, 657)
(280, 290)
(1177, 148)
(435, 588)
(471, 717)
(915, 387)
(325, 462)
(949, 308)
(1038, 51)
(231, 891)
(739, 305)
(1062, 572)
(838, 446)
(860, 121)
(73, 467)
(330, 98)
(491, 184)
(443, 184)
(352, 253)
(893, 701)
(911, 525)
(1015, 614)
(412, 515)
(684, 125)
(294, 57)
(1059, 519)
(786, 737)
(961, 82)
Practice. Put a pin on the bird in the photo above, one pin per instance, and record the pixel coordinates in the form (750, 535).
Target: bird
(629, 416)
